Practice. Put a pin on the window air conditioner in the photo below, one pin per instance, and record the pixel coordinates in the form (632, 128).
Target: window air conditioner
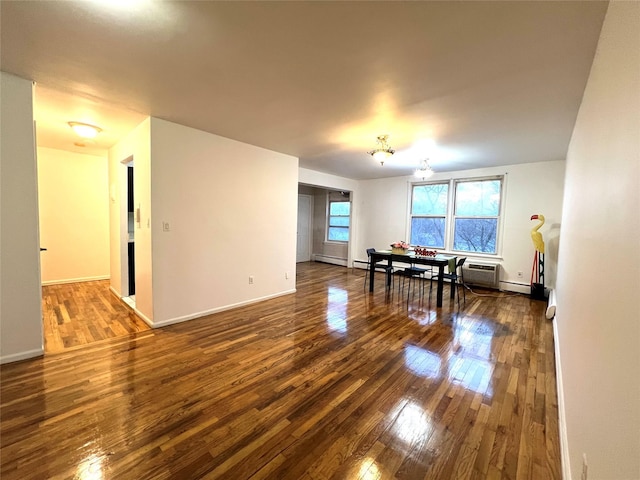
(481, 274)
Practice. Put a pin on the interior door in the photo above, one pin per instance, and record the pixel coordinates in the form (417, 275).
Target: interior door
(303, 252)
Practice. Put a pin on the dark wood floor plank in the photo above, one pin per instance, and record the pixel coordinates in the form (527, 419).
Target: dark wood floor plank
(327, 383)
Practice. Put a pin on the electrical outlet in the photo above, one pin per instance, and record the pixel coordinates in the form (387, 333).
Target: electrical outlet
(520, 274)
(165, 227)
(250, 279)
(584, 467)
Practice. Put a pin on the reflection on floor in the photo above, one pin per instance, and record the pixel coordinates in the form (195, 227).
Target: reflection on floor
(81, 313)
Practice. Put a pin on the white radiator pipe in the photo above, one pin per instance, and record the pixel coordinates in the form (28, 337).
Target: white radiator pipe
(551, 306)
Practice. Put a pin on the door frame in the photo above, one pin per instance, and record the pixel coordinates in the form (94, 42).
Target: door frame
(309, 226)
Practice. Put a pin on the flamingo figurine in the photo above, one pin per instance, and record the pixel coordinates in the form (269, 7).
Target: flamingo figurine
(537, 270)
(536, 236)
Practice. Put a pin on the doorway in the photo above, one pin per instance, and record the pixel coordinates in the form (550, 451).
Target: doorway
(78, 307)
(129, 270)
(324, 215)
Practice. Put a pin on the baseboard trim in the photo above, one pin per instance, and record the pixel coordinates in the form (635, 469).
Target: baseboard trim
(171, 321)
(16, 357)
(144, 318)
(76, 280)
(562, 419)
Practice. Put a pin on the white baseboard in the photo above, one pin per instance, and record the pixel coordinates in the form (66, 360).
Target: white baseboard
(16, 357)
(171, 321)
(144, 318)
(562, 419)
(131, 304)
(75, 280)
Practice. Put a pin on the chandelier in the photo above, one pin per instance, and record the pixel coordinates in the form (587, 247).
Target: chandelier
(425, 170)
(383, 151)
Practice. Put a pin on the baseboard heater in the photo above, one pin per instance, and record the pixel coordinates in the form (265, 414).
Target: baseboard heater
(330, 259)
(481, 274)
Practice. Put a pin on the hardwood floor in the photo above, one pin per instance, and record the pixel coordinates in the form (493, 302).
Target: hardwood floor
(81, 313)
(326, 383)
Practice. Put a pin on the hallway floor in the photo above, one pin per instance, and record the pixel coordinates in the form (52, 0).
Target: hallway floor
(81, 313)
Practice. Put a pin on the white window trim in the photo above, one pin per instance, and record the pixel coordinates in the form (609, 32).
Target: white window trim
(326, 236)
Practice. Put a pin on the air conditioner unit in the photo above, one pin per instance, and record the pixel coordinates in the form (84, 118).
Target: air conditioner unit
(481, 274)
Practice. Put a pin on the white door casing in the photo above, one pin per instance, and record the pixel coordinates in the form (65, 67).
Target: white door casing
(303, 251)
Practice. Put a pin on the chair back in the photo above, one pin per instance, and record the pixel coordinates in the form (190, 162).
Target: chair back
(459, 265)
(370, 251)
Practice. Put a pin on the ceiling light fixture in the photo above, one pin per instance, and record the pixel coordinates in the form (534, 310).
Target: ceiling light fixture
(85, 130)
(425, 170)
(383, 151)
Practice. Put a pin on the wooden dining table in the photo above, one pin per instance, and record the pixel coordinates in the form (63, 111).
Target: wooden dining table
(440, 261)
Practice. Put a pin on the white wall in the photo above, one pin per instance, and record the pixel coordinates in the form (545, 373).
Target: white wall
(529, 189)
(20, 291)
(73, 192)
(598, 309)
(231, 210)
(136, 146)
(326, 180)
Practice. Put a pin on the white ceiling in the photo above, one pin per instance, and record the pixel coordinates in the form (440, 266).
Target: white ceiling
(489, 83)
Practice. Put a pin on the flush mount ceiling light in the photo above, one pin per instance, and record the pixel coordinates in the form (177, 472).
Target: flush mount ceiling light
(85, 130)
(383, 151)
(424, 171)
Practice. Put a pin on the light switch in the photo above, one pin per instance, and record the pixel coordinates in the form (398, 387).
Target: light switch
(165, 226)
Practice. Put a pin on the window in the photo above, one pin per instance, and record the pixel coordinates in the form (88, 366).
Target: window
(466, 221)
(428, 214)
(338, 228)
(477, 206)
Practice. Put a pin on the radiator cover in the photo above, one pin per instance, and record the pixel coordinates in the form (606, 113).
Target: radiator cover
(482, 274)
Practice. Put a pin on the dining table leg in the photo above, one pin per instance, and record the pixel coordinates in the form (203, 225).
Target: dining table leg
(440, 289)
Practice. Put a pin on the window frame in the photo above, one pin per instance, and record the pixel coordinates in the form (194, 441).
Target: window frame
(445, 233)
(450, 214)
(328, 224)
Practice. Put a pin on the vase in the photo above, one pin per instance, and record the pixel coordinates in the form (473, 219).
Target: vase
(398, 250)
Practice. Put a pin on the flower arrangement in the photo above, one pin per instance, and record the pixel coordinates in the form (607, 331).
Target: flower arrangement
(399, 247)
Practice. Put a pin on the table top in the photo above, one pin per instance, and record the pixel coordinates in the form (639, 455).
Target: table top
(412, 257)
(412, 254)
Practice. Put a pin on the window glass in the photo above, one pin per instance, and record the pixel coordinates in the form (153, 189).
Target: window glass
(339, 208)
(478, 198)
(338, 222)
(427, 231)
(475, 235)
(430, 199)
